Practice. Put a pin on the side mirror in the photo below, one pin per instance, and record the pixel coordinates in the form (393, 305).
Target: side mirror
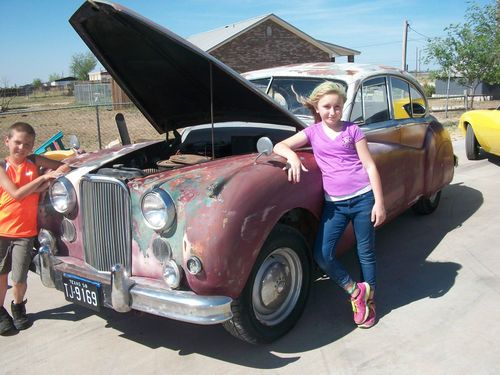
(264, 147)
(74, 142)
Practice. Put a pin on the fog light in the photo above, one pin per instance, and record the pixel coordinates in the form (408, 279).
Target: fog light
(172, 274)
(162, 250)
(68, 230)
(46, 238)
(194, 266)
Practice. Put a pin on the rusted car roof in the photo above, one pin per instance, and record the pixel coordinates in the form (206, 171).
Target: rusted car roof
(348, 72)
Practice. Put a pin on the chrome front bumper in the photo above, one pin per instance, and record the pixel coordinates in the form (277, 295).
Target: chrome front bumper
(124, 293)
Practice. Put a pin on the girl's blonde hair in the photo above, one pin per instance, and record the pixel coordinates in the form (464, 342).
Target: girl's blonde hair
(325, 88)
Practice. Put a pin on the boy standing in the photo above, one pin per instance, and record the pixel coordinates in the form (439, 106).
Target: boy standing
(20, 185)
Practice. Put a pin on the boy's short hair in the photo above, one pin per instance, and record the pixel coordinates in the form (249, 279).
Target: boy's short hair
(22, 127)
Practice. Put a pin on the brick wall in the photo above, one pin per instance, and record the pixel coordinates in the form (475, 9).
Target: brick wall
(256, 49)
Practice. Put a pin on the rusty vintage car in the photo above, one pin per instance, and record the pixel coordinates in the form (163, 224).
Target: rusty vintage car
(201, 227)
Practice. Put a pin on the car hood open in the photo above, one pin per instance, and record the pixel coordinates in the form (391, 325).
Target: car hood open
(172, 82)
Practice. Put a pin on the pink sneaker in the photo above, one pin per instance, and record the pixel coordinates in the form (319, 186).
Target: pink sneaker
(372, 316)
(359, 306)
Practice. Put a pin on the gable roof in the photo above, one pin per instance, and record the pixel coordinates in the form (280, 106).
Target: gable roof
(213, 39)
(339, 50)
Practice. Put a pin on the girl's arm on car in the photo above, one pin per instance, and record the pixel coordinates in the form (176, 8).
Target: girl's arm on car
(286, 149)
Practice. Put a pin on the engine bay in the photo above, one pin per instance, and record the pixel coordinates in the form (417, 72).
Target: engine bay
(196, 145)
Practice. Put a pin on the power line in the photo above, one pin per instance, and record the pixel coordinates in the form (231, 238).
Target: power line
(412, 29)
(383, 44)
(378, 44)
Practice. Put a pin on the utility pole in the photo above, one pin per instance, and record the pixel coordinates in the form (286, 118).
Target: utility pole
(405, 38)
(417, 60)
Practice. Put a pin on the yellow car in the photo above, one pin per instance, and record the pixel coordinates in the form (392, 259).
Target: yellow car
(482, 130)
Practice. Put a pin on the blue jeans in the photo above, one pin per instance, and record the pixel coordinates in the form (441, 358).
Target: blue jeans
(334, 220)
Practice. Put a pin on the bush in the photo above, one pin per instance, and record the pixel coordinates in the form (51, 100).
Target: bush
(429, 90)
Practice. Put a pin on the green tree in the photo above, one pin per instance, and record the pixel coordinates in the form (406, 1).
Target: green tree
(37, 83)
(82, 64)
(54, 77)
(471, 50)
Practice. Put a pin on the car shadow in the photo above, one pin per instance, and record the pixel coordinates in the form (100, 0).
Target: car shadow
(494, 159)
(403, 248)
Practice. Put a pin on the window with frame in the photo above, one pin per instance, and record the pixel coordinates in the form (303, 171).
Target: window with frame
(407, 101)
(371, 104)
(289, 91)
(401, 101)
(418, 103)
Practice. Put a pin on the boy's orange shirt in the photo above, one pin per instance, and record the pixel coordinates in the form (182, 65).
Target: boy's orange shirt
(18, 219)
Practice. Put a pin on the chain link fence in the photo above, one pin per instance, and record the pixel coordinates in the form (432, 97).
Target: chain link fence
(96, 128)
(92, 93)
(94, 125)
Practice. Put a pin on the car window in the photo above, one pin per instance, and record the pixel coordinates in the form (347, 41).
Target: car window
(374, 98)
(417, 102)
(262, 83)
(288, 91)
(401, 101)
(357, 109)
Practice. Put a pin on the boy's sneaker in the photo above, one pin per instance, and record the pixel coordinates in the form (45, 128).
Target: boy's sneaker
(359, 306)
(372, 316)
(19, 316)
(6, 323)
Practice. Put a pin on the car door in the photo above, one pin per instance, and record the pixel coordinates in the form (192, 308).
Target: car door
(372, 112)
(409, 110)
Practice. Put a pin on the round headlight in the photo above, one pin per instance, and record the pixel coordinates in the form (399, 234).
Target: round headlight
(62, 195)
(46, 238)
(158, 209)
(172, 274)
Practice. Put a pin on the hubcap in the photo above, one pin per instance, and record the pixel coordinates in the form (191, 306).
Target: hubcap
(277, 286)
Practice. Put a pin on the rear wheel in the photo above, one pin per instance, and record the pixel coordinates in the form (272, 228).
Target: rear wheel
(427, 205)
(275, 294)
(471, 144)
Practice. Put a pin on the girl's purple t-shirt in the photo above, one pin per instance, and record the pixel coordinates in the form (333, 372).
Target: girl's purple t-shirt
(342, 170)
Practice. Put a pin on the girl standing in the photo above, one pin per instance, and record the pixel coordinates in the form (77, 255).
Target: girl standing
(352, 189)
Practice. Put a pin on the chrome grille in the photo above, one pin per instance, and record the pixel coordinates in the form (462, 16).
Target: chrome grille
(105, 209)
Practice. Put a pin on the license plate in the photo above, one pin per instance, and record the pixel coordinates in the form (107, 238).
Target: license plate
(82, 291)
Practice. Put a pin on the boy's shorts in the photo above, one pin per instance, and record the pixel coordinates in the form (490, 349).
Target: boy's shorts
(15, 256)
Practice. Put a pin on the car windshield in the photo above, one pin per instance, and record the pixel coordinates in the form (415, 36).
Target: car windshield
(288, 91)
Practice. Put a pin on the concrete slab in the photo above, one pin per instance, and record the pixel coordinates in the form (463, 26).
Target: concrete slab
(438, 302)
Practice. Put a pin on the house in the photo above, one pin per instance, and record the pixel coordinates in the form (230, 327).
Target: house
(99, 76)
(259, 43)
(61, 82)
(457, 88)
(264, 42)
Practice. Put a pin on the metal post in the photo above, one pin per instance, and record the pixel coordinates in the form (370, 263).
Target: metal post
(405, 38)
(96, 98)
(212, 110)
(447, 92)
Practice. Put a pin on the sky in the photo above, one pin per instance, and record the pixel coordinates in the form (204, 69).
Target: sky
(37, 40)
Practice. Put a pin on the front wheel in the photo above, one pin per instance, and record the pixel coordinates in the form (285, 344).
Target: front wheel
(275, 294)
(471, 144)
(427, 205)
